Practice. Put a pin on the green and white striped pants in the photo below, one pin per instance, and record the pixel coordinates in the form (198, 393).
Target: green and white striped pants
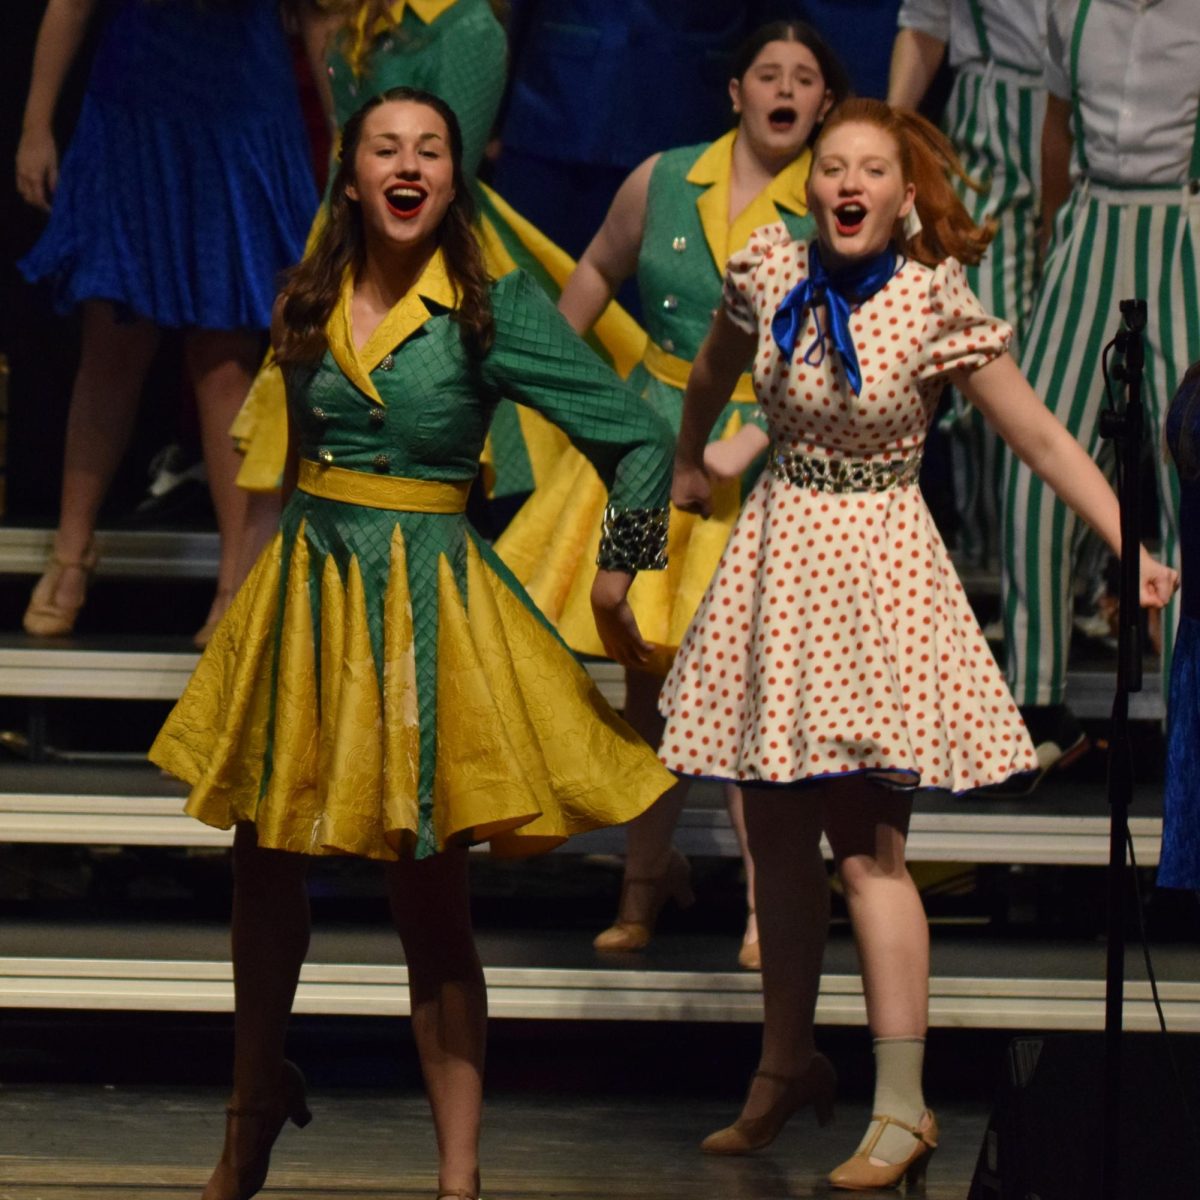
(994, 119)
(1108, 245)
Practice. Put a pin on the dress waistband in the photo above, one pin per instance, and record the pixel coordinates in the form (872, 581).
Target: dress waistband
(841, 475)
(1110, 191)
(674, 371)
(392, 492)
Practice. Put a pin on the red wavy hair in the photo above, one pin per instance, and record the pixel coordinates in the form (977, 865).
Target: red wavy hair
(928, 162)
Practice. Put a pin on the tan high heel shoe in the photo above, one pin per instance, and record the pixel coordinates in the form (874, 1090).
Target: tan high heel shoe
(250, 1136)
(815, 1086)
(859, 1174)
(45, 616)
(633, 928)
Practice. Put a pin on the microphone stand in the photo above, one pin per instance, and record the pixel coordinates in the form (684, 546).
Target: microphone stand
(1122, 425)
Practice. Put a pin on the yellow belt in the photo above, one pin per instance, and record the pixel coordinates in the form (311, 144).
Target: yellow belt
(382, 491)
(672, 370)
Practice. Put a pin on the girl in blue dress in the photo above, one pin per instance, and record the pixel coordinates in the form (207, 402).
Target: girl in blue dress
(185, 190)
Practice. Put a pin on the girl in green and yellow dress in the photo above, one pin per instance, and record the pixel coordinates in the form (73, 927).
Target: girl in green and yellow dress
(674, 223)
(381, 686)
(457, 50)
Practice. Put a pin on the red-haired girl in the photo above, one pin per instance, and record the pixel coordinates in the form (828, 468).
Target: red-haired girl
(835, 664)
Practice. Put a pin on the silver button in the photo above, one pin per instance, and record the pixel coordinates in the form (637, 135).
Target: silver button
(325, 457)
(378, 416)
(671, 303)
(382, 462)
(679, 245)
(387, 362)
(319, 413)
(668, 345)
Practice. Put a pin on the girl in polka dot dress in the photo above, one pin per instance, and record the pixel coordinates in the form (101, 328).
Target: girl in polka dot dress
(835, 664)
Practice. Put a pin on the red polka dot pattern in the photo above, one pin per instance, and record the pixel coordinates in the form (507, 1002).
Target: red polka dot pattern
(835, 635)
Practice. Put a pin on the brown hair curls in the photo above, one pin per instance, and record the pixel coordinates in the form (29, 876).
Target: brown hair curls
(311, 288)
(928, 162)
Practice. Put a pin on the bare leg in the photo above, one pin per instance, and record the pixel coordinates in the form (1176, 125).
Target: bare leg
(431, 910)
(735, 806)
(221, 364)
(270, 939)
(114, 360)
(868, 827)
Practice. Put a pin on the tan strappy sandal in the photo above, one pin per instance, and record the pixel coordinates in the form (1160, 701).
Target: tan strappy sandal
(45, 616)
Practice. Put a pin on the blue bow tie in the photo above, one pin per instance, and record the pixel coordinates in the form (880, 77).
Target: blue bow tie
(839, 293)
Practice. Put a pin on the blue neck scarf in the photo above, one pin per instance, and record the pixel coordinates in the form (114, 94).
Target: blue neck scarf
(839, 292)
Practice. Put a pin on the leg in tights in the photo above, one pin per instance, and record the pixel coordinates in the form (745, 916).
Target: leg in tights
(736, 807)
(867, 826)
(431, 910)
(648, 837)
(791, 888)
(221, 365)
(270, 939)
(114, 359)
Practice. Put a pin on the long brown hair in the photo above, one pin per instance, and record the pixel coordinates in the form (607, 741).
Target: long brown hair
(311, 289)
(928, 162)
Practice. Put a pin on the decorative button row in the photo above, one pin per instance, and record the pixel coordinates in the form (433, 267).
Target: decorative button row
(377, 415)
(380, 462)
(679, 245)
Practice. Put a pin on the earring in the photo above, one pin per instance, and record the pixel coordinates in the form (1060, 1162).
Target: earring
(912, 223)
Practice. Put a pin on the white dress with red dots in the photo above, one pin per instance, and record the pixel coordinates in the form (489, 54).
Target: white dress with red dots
(835, 636)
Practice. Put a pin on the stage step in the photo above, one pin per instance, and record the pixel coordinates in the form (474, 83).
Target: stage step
(87, 804)
(157, 668)
(976, 982)
(122, 553)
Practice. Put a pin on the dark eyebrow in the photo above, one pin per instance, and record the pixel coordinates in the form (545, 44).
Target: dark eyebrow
(395, 137)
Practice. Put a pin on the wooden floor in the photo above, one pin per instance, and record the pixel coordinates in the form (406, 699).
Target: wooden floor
(89, 1143)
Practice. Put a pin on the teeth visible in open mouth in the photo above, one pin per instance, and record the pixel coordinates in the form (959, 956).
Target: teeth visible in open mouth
(850, 215)
(404, 198)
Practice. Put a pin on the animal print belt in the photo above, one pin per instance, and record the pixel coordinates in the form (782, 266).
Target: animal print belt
(840, 475)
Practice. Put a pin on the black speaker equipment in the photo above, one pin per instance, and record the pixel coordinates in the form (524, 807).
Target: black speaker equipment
(1044, 1137)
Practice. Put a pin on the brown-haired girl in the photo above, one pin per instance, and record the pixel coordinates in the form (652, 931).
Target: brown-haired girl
(381, 686)
(835, 664)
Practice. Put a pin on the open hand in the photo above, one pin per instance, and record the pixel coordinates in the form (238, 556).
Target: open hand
(1158, 582)
(615, 622)
(37, 167)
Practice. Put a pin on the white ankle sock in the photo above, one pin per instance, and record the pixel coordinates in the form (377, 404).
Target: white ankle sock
(898, 1064)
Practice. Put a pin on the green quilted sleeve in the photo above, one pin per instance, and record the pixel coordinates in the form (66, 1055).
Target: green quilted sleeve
(539, 361)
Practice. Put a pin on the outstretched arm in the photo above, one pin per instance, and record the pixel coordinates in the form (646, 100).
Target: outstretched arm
(58, 40)
(725, 354)
(611, 256)
(1039, 439)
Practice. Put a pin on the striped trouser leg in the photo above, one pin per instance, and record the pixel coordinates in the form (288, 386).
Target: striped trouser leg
(1103, 251)
(995, 123)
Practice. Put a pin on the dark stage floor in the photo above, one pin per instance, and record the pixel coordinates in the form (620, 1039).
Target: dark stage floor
(87, 1143)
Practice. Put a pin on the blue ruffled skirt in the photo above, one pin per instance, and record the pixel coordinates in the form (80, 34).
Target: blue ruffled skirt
(187, 185)
(1179, 864)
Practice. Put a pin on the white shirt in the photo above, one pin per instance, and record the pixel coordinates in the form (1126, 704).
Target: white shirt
(1139, 85)
(1015, 29)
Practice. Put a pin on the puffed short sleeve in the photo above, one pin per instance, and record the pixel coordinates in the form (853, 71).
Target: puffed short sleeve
(740, 289)
(958, 333)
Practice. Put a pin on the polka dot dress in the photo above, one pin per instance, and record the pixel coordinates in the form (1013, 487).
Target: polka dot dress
(835, 636)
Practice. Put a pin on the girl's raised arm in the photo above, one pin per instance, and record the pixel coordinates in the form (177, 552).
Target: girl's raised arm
(1039, 440)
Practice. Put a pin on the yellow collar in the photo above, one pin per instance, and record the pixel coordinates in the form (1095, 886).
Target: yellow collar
(405, 317)
(425, 10)
(713, 170)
